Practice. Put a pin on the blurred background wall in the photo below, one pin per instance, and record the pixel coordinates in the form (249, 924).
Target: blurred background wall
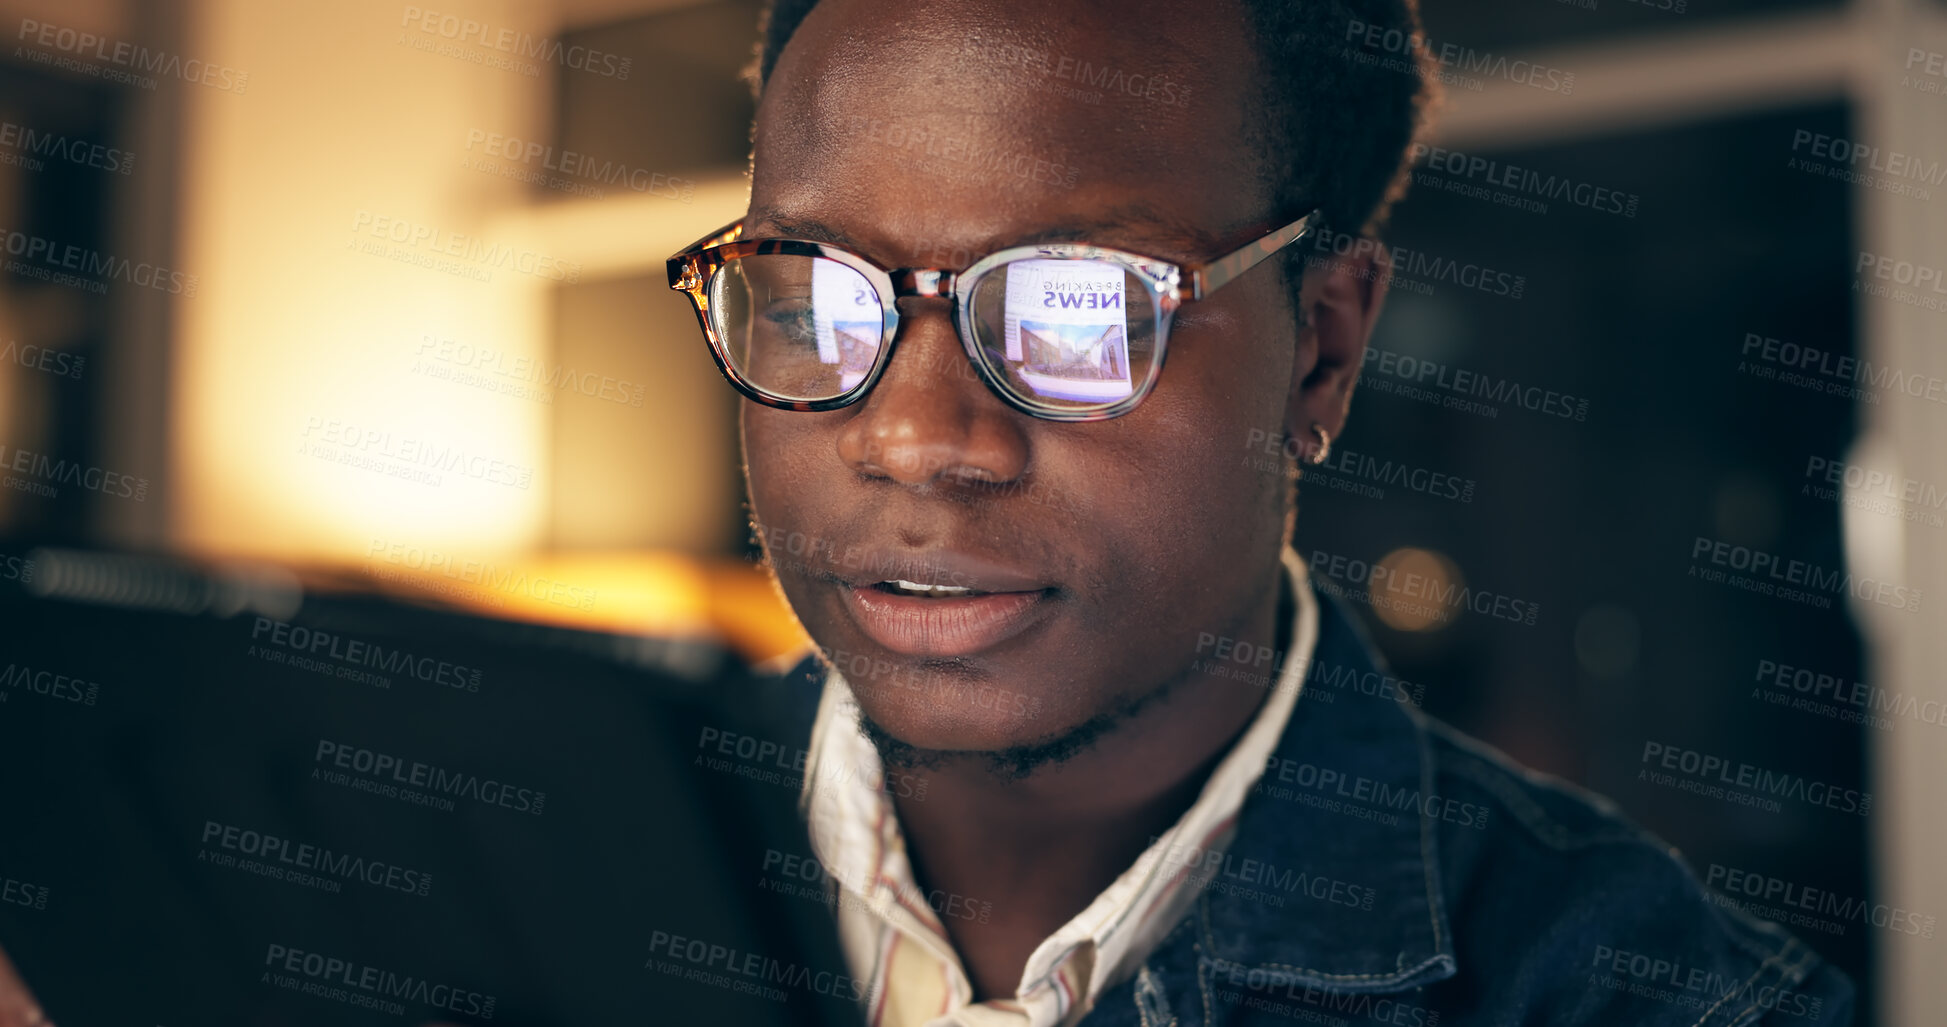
(375, 291)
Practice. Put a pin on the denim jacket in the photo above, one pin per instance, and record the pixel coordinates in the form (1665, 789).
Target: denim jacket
(1389, 870)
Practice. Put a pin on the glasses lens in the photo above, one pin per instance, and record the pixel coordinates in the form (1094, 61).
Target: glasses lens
(799, 328)
(1066, 334)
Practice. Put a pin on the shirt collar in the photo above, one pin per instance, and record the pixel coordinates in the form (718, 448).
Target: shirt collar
(856, 836)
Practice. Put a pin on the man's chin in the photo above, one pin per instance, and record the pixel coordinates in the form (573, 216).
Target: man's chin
(955, 706)
(1001, 757)
(1004, 743)
(946, 726)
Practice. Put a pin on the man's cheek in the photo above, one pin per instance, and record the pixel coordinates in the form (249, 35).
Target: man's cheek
(787, 504)
(777, 454)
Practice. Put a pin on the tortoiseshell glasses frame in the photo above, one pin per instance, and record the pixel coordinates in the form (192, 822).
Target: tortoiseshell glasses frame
(693, 271)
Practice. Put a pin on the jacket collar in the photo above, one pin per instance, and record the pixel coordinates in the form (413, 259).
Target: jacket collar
(1347, 801)
(1344, 822)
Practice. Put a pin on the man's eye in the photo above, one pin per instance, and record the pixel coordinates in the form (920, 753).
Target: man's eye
(793, 318)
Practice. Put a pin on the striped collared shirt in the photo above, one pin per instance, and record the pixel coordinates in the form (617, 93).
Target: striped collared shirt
(891, 931)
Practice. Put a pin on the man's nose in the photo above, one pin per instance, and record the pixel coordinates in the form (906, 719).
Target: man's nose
(930, 419)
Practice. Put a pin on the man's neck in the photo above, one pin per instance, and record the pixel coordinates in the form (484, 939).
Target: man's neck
(1040, 849)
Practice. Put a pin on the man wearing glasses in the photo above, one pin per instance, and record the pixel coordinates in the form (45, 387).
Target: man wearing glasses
(1032, 559)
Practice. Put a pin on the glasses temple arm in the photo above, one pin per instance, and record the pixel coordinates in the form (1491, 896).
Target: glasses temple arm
(1208, 278)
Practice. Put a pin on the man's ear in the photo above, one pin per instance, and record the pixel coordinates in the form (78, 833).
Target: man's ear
(1341, 298)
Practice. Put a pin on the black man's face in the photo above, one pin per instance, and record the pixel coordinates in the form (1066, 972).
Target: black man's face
(933, 137)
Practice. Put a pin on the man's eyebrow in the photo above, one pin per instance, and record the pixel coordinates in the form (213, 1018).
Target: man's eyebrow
(1136, 226)
(797, 227)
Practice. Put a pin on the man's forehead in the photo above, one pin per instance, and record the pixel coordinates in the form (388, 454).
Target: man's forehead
(1137, 225)
(974, 132)
(1109, 72)
(1091, 43)
(967, 114)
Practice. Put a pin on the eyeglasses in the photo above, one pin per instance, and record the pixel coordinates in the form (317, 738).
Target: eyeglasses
(1062, 331)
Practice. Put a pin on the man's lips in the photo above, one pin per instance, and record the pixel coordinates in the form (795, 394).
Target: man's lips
(940, 603)
(862, 568)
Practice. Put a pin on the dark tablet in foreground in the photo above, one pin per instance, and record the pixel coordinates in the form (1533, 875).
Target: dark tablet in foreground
(218, 810)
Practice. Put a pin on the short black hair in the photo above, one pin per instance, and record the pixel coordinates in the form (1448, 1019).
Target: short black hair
(1349, 85)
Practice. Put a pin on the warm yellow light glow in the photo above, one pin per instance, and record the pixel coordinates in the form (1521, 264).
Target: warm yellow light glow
(308, 423)
(355, 265)
(1414, 577)
(661, 594)
(631, 234)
